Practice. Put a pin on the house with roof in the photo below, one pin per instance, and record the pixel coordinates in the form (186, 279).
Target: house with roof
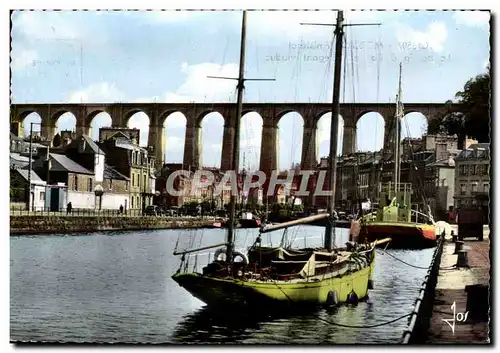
(115, 190)
(19, 189)
(472, 176)
(78, 180)
(135, 163)
(87, 153)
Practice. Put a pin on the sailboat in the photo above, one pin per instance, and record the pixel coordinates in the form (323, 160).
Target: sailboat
(394, 216)
(272, 277)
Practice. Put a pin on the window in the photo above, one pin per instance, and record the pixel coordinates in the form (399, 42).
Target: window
(133, 179)
(75, 186)
(463, 189)
(486, 187)
(474, 187)
(126, 185)
(89, 185)
(42, 196)
(132, 202)
(111, 184)
(145, 180)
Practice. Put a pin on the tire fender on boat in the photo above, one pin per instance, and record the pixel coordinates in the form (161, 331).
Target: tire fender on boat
(370, 284)
(352, 298)
(242, 255)
(332, 298)
(222, 251)
(218, 253)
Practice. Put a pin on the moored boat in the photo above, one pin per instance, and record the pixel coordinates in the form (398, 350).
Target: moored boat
(394, 216)
(272, 277)
(248, 220)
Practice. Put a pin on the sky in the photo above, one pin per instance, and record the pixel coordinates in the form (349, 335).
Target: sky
(166, 56)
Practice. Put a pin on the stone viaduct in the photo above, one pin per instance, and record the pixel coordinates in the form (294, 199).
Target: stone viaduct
(194, 112)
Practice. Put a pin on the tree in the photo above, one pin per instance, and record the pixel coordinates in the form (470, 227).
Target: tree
(473, 119)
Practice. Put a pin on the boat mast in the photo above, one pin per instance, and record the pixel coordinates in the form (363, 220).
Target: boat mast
(339, 34)
(397, 142)
(236, 142)
(332, 160)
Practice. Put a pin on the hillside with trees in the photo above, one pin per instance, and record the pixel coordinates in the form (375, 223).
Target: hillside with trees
(473, 119)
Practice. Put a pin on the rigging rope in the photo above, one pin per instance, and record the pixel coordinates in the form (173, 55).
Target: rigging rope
(379, 59)
(417, 267)
(364, 326)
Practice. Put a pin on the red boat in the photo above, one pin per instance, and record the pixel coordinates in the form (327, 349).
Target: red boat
(247, 220)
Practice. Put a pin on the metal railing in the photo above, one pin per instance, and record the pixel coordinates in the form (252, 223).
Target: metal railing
(79, 212)
(420, 318)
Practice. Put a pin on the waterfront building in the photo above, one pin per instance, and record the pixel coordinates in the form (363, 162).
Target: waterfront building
(424, 161)
(472, 176)
(19, 189)
(133, 162)
(184, 185)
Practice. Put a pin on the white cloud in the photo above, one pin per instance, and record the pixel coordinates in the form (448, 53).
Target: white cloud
(486, 64)
(23, 59)
(473, 18)
(433, 38)
(324, 124)
(172, 15)
(46, 25)
(175, 120)
(140, 121)
(103, 92)
(201, 88)
(197, 87)
(251, 132)
(288, 23)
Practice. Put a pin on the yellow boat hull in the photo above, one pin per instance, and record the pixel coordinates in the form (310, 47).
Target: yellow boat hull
(250, 293)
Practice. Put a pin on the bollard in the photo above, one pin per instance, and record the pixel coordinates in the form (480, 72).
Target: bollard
(459, 246)
(462, 260)
(478, 301)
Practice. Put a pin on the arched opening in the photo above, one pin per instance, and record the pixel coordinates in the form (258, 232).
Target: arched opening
(66, 122)
(140, 120)
(26, 124)
(250, 141)
(414, 125)
(212, 131)
(370, 130)
(174, 130)
(323, 135)
(290, 133)
(101, 119)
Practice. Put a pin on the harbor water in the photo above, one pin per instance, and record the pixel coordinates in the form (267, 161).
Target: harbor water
(117, 287)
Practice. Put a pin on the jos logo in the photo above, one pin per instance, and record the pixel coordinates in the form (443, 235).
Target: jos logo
(457, 317)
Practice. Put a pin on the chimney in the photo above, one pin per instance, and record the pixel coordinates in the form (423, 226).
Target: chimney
(42, 153)
(441, 151)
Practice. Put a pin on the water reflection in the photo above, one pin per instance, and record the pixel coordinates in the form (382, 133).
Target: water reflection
(117, 287)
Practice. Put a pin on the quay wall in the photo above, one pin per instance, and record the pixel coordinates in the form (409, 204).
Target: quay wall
(419, 320)
(44, 224)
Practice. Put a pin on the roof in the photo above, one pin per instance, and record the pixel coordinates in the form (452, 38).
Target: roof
(64, 164)
(35, 179)
(15, 137)
(444, 163)
(475, 151)
(126, 143)
(111, 173)
(89, 146)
